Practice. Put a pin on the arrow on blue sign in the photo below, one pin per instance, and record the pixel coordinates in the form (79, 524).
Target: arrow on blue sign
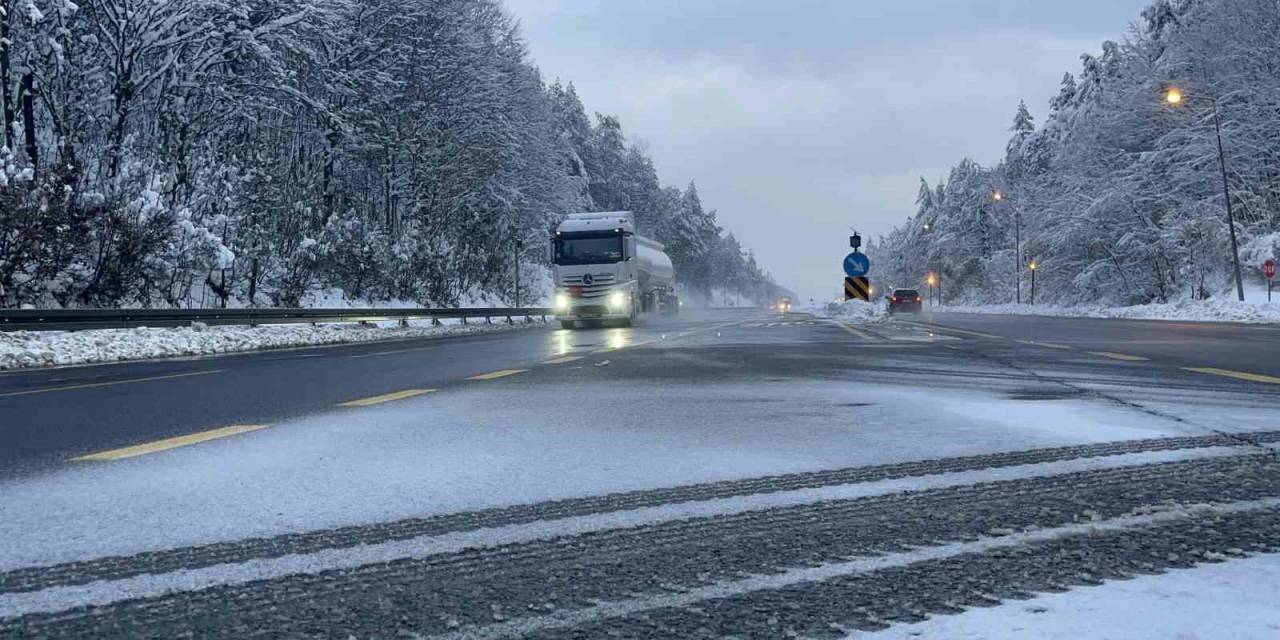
(856, 264)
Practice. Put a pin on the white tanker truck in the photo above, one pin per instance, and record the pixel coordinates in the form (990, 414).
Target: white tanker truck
(607, 273)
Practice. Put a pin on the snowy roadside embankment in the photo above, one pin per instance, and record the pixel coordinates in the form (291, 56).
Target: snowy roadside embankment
(1194, 310)
(855, 311)
(1226, 600)
(25, 349)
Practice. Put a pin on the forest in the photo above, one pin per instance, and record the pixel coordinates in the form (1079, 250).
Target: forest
(1120, 195)
(204, 153)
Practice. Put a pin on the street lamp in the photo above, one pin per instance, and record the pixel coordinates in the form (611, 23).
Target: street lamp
(1033, 266)
(1174, 97)
(519, 255)
(998, 196)
(933, 281)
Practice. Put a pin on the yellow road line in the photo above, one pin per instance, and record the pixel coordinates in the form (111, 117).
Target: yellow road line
(388, 397)
(1119, 356)
(94, 385)
(498, 374)
(861, 334)
(170, 443)
(1239, 375)
(564, 360)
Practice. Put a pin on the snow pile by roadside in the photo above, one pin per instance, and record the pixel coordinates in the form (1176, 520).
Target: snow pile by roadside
(1195, 310)
(22, 349)
(854, 311)
(1228, 600)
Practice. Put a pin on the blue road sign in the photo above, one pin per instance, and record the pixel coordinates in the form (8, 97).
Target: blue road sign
(856, 264)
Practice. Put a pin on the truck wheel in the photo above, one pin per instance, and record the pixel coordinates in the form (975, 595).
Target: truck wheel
(566, 324)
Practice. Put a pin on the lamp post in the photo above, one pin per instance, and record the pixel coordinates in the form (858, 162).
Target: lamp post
(1033, 266)
(998, 196)
(519, 256)
(1175, 98)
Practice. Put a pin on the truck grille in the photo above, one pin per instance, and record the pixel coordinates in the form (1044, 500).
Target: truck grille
(599, 287)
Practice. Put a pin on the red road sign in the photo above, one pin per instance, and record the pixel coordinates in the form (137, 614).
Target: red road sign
(1269, 269)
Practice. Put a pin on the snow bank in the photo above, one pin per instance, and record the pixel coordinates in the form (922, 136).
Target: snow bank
(855, 311)
(1234, 599)
(22, 349)
(1195, 310)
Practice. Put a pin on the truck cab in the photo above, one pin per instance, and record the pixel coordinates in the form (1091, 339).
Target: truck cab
(607, 273)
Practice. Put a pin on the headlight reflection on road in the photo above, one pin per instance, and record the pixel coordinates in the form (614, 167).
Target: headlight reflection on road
(618, 340)
(562, 342)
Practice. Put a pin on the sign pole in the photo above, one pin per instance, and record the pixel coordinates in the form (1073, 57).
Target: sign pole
(856, 266)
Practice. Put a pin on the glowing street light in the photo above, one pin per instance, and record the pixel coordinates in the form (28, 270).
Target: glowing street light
(998, 196)
(1033, 266)
(1173, 96)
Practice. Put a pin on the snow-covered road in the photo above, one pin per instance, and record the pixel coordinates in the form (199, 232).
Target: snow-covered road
(729, 475)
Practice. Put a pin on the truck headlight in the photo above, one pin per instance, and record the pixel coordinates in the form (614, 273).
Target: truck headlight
(618, 300)
(562, 302)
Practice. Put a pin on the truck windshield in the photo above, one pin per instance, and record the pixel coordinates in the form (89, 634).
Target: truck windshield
(588, 250)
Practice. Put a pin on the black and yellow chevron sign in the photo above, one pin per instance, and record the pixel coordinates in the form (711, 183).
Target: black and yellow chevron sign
(857, 289)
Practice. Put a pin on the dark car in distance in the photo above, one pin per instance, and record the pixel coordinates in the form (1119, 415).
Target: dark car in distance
(905, 300)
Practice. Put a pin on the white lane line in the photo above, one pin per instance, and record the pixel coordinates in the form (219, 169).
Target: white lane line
(1119, 356)
(605, 610)
(497, 375)
(849, 328)
(105, 592)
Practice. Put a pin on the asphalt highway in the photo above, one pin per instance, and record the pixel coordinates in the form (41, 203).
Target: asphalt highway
(728, 474)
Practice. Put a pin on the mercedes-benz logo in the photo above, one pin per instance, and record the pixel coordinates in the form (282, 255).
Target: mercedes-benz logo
(587, 279)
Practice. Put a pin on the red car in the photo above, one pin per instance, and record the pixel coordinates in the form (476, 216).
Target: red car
(905, 300)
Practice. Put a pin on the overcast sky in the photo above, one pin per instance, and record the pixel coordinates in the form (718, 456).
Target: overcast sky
(801, 118)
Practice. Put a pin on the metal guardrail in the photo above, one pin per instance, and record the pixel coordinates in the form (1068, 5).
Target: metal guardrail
(80, 319)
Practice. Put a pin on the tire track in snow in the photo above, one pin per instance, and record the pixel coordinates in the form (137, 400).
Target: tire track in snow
(479, 586)
(163, 561)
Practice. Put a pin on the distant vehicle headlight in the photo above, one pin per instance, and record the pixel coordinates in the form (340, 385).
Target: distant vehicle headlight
(618, 300)
(562, 302)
